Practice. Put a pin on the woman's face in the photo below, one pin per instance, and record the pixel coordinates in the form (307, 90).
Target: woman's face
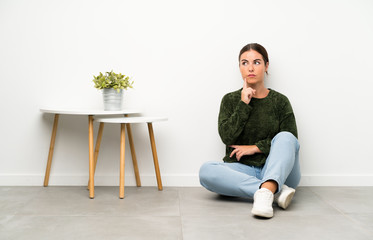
(252, 67)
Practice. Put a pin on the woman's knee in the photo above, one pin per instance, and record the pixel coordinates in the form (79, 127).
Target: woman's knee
(206, 172)
(286, 137)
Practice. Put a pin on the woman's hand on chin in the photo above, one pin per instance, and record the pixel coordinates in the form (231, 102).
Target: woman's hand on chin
(247, 93)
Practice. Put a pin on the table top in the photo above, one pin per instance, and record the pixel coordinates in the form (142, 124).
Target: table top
(131, 119)
(71, 111)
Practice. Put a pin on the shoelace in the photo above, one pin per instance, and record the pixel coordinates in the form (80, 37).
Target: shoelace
(264, 197)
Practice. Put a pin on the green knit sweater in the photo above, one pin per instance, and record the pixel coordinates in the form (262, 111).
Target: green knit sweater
(255, 123)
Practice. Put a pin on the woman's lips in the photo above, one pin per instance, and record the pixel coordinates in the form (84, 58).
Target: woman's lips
(251, 75)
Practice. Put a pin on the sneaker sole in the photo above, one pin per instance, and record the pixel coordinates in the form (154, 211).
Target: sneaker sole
(285, 201)
(262, 214)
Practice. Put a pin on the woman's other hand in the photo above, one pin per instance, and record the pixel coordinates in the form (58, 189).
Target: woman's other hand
(247, 93)
(241, 150)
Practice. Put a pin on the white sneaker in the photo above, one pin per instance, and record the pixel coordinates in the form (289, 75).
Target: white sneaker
(284, 197)
(262, 207)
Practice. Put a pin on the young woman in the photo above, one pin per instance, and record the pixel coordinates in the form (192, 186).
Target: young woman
(258, 126)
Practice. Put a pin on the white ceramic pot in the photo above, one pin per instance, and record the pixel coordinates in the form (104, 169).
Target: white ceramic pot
(112, 99)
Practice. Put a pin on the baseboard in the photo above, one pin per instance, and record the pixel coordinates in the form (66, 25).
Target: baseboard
(336, 180)
(171, 180)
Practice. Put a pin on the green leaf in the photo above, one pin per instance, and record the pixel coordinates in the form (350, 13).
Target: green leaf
(112, 80)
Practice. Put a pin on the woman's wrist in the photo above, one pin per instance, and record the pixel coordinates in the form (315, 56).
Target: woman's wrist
(257, 150)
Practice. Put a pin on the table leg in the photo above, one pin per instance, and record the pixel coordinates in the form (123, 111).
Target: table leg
(97, 148)
(133, 154)
(91, 157)
(155, 157)
(51, 149)
(122, 159)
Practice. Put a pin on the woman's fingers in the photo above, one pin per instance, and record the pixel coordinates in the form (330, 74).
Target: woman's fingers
(234, 152)
(238, 151)
(238, 155)
(252, 93)
(247, 93)
(245, 84)
(242, 150)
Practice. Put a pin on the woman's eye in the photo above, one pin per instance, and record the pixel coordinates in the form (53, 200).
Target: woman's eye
(244, 63)
(256, 62)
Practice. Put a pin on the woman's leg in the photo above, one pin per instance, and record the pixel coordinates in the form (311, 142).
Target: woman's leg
(294, 176)
(230, 179)
(282, 164)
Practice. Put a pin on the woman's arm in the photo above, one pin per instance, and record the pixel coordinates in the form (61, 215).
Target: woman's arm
(233, 116)
(287, 121)
(287, 124)
(232, 119)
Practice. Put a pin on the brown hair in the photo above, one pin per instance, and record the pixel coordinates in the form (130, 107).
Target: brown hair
(256, 47)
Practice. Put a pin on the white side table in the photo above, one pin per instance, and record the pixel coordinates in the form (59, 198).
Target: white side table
(125, 122)
(92, 155)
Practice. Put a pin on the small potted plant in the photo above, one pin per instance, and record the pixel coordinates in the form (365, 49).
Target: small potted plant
(112, 86)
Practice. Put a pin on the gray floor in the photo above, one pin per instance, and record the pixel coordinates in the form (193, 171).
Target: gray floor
(180, 213)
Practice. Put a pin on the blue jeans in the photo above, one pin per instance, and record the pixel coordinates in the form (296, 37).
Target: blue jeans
(240, 180)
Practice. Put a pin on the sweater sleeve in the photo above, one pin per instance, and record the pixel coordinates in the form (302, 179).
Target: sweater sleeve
(287, 124)
(287, 119)
(264, 146)
(232, 119)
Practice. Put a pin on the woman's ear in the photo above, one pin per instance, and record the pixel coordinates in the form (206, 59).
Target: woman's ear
(267, 64)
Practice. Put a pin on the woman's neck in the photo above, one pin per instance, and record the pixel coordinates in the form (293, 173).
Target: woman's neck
(261, 91)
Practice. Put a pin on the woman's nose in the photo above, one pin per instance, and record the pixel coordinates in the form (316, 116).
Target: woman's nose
(250, 67)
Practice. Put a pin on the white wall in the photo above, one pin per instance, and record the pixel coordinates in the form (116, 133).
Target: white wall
(183, 58)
